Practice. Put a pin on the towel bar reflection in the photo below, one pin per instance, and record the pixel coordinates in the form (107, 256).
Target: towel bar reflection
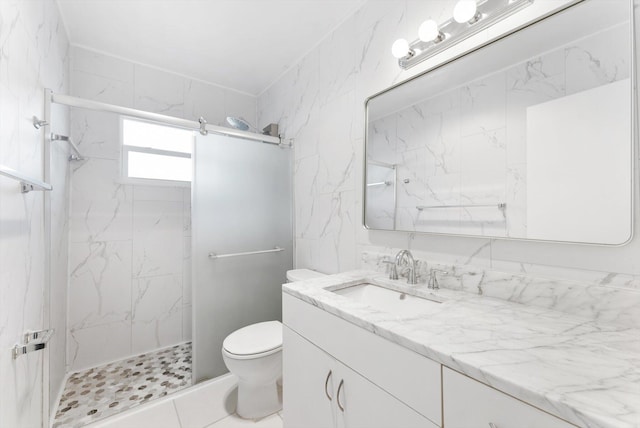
(276, 249)
(381, 183)
(500, 206)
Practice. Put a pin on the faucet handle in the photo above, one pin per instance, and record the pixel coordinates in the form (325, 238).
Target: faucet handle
(393, 274)
(433, 278)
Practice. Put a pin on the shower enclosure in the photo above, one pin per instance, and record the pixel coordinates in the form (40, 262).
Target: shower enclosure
(148, 294)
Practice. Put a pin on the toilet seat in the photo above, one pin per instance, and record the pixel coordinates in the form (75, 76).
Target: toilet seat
(254, 341)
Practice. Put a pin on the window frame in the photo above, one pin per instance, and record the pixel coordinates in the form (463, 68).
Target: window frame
(124, 157)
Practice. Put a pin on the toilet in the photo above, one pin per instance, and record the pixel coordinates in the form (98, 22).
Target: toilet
(254, 354)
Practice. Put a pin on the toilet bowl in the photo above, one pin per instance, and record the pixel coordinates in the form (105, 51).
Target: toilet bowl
(254, 354)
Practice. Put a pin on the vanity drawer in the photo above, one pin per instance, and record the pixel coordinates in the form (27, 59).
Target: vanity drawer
(412, 378)
(469, 403)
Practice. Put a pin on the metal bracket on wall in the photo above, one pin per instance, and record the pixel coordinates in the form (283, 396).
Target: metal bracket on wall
(33, 341)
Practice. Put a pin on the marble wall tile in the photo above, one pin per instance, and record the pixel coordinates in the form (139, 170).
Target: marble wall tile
(99, 283)
(97, 134)
(594, 61)
(99, 88)
(338, 72)
(482, 106)
(101, 220)
(154, 224)
(158, 91)
(98, 180)
(336, 149)
(157, 312)
(93, 346)
(202, 100)
(302, 92)
(305, 189)
(383, 140)
(336, 243)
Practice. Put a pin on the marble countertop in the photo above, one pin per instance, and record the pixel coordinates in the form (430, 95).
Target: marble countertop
(585, 372)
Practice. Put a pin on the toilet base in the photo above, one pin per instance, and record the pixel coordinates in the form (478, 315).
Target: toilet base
(258, 401)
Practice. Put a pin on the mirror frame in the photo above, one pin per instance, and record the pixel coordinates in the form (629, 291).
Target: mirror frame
(634, 130)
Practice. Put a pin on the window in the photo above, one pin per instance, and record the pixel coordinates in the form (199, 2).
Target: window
(156, 152)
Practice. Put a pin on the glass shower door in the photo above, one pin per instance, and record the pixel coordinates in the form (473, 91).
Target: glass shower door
(241, 202)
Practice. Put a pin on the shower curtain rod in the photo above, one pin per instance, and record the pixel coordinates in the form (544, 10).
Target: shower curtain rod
(140, 114)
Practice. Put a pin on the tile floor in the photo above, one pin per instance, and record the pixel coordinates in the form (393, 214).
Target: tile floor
(97, 393)
(207, 405)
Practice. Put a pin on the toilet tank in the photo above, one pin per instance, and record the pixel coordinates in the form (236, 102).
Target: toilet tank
(302, 274)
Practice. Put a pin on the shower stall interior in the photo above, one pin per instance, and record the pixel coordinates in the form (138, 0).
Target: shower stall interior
(161, 272)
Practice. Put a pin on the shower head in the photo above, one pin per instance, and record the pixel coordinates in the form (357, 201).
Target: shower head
(238, 123)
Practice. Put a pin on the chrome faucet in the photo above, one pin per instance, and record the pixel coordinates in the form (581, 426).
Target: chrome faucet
(433, 279)
(402, 255)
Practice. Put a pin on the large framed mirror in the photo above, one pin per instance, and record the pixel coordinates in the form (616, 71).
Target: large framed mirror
(529, 137)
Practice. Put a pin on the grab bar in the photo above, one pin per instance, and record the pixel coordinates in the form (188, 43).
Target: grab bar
(75, 157)
(248, 253)
(27, 183)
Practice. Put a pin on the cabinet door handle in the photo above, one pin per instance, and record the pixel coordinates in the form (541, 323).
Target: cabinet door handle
(338, 395)
(326, 386)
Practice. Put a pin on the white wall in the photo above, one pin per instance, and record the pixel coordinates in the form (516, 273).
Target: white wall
(320, 103)
(34, 56)
(130, 266)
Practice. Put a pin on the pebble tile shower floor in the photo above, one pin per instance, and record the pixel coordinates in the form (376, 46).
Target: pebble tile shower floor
(103, 391)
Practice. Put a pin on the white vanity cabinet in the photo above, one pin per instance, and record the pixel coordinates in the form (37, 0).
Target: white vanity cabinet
(337, 374)
(373, 382)
(321, 392)
(469, 403)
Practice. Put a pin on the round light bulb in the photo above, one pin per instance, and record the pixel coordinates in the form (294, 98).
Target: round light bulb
(428, 31)
(464, 11)
(400, 48)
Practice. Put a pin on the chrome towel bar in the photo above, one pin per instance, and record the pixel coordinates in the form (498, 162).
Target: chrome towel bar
(27, 183)
(500, 206)
(276, 249)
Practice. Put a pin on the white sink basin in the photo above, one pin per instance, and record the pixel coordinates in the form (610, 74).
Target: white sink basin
(387, 300)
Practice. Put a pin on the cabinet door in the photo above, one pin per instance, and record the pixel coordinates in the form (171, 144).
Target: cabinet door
(367, 406)
(306, 368)
(469, 403)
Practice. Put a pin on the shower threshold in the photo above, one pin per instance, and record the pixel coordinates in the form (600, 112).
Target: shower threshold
(103, 391)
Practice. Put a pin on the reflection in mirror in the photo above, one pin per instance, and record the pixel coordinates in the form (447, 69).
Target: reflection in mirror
(528, 138)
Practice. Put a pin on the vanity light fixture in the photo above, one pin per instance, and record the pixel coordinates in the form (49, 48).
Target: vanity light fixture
(469, 18)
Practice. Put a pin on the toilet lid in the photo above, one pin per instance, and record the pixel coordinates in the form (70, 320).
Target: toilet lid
(254, 338)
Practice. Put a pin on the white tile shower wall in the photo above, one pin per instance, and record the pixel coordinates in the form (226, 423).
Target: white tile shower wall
(130, 245)
(33, 56)
(321, 107)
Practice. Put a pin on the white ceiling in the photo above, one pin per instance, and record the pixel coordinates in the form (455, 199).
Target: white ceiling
(240, 44)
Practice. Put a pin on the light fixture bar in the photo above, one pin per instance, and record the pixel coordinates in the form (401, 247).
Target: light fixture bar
(490, 12)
